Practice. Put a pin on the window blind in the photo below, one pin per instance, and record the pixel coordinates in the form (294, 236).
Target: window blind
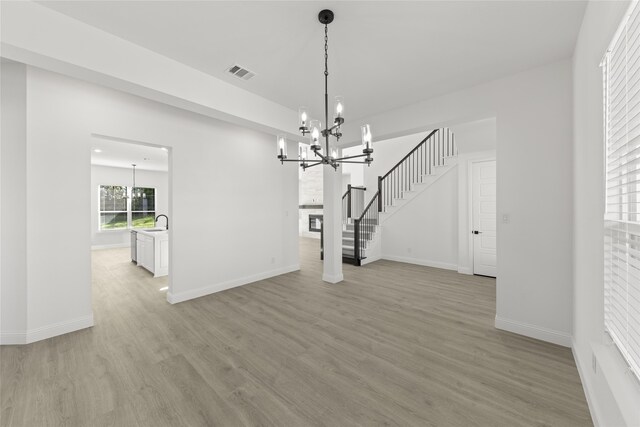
(621, 76)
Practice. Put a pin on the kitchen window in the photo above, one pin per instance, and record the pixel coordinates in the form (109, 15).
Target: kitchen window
(123, 208)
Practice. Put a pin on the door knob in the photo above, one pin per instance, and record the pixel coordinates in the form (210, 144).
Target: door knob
(476, 232)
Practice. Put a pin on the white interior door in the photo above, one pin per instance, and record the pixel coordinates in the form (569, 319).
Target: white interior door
(484, 218)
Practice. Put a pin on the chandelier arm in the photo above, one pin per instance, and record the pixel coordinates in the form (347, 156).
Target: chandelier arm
(350, 161)
(312, 165)
(352, 157)
(325, 159)
(337, 125)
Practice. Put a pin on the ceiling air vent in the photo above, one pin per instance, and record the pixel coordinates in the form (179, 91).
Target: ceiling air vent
(241, 72)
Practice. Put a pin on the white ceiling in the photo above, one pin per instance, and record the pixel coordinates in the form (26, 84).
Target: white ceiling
(120, 154)
(382, 54)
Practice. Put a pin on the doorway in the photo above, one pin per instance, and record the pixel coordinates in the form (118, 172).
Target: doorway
(483, 202)
(130, 199)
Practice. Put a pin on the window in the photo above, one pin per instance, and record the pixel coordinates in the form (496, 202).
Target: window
(113, 207)
(123, 207)
(143, 207)
(621, 76)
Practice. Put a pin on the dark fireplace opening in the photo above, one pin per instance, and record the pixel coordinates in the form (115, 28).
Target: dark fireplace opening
(315, 223)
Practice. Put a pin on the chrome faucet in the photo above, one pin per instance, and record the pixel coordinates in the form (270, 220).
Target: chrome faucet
(166, 217)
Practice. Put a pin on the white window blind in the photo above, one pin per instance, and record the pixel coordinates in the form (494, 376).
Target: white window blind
(621, 75)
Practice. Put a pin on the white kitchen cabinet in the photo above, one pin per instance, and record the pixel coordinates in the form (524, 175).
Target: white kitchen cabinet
(141, 249)
(161, 255)
(153, 251)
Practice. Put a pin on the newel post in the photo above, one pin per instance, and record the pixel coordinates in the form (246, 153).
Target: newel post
(379, 194)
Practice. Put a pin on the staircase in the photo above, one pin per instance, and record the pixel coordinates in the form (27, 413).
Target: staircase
(359, 224)
(411, 175)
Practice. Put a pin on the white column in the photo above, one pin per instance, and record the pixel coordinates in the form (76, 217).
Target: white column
(332, 223)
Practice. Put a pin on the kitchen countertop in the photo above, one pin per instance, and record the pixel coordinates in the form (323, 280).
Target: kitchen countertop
(152, 231)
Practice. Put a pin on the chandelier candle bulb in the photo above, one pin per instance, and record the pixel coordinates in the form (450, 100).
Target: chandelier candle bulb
(304, 119)
(282, 147)
(366, 139)
(339, 110)
(315, 135)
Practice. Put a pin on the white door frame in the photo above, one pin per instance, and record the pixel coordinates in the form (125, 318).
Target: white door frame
(470, 203)
(169, 197)
(465, 206)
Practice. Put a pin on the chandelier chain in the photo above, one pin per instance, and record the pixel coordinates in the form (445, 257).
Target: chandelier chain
(326, 49)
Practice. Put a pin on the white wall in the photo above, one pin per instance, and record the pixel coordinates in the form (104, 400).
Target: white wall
(222, 174)
(440, 215)
(533, 112)
(412, 234)
(444, 205)
(425, 230)
(613, 395)
(476, 136)
(105, 175)
(13, 185)
(355, 171)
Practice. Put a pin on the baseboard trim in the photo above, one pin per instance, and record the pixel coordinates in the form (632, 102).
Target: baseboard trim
(465, 270)
(369, 260)
(333, 279)
(115, 246)
(13, 338)
(60, 328)
(532, 331)
(175, 298)
(424, 262)
(584, 379)
(47, 331)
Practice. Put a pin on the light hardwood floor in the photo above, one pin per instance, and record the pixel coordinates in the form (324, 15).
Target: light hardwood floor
(394, 344)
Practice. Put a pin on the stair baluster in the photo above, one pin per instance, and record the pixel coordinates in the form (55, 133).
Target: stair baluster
(364, 227)
(430, 153)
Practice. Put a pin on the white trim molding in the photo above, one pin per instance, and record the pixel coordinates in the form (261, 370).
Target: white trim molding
(424, 262)
(47, 331)
(175, 298)
(60, 328)
(370, 259)
(114, 246)
(332, 279)
(13, 338)
(532, 331)
(594, 410)
(612, 377)
(465, 206)
(465, 270)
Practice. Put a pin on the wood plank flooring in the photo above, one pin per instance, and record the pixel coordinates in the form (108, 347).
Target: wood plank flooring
(394, 344)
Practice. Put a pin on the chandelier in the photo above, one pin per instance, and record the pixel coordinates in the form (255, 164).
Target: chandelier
(329, 154)
(135, 192)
